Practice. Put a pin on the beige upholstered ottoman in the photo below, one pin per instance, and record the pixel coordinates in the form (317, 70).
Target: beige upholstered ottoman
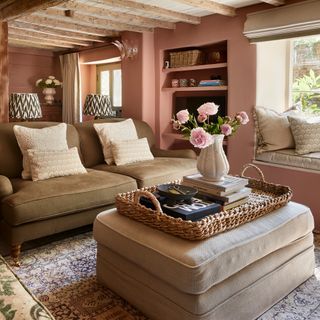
(238, 274)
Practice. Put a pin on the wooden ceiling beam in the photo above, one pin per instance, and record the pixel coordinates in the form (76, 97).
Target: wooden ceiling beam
(5, 3)
(48, 31)
(48, 42)
(85, 20)
(77, 7)
(40, 36)
(149, 9)
(274, 2)
(66, 26)
(26, 44)
(20, 8)
(211, 6)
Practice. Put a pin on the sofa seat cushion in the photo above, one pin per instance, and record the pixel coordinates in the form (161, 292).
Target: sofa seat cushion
(152, 172)
(40, 200)
(287, 157)
(195, 266)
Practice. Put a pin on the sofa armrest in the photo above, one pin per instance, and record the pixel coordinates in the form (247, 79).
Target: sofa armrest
(5, 187)
(183, 153)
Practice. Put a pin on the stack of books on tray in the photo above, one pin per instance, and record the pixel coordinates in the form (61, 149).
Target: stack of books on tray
(230, 193)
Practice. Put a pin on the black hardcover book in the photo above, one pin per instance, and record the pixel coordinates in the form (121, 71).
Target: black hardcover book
(193, 210)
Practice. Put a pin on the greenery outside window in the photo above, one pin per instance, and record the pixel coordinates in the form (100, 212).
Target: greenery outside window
(305, 88)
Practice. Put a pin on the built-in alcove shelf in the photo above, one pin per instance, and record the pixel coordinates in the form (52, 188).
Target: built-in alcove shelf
(206, 88)
(199, 67)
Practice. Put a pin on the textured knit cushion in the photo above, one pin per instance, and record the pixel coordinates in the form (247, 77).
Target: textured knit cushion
(306, 133)
(124, 130)
(50, 138)
(130, 151)
(47, 164)
(273, 130)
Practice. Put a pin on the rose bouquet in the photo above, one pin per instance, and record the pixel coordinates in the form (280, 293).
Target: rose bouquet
(51, 82)
(200, 130)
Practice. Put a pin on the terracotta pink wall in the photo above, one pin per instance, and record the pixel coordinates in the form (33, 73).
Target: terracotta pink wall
(138, 79)
(241, 96)
(26, 66)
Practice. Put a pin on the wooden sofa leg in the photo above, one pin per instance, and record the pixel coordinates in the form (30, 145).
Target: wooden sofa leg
(15, 254)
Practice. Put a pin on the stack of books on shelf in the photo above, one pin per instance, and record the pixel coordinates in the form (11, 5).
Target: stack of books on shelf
(210, 83)
(229, 193)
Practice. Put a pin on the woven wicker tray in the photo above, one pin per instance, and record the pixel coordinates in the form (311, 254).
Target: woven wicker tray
(265, 197)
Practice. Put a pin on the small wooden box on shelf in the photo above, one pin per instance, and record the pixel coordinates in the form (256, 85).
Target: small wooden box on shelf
(51, 112)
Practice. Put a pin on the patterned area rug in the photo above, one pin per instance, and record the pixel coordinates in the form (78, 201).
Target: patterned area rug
(62, 276)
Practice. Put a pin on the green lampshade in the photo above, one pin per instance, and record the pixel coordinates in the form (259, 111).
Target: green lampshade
(24, 106)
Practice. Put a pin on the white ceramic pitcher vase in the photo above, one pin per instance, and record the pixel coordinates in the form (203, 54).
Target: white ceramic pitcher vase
(212, 162)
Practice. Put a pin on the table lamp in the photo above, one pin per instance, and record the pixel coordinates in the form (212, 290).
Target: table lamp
(99, 106)
(24, 106)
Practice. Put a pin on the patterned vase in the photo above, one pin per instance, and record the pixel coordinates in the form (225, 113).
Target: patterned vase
(49, 95)
(212, 162)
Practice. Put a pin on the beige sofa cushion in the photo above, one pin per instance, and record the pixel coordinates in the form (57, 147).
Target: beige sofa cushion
(46, 164)
(288, 157)
(306, 133)
(152, 172)
(11, 164)
(124, 130)
(130, 151)
(273, 130)
(40, 200)
(195, 266)
(50, 138)
(91, 150)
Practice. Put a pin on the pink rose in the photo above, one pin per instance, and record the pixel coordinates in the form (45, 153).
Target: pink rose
(183, 116)
(226, 129)
(242, 117)
(202, 117)
(199, 138)
(208, 109)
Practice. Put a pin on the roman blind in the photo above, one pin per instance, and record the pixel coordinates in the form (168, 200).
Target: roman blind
(295, 20)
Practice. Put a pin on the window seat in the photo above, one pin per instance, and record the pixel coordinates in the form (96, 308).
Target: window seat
(287, 157)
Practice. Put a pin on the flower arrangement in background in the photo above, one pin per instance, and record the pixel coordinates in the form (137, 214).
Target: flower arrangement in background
(51, 82)
(200, 130)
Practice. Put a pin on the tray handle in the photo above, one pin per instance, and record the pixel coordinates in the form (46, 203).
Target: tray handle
(250, 165)
(149, 195)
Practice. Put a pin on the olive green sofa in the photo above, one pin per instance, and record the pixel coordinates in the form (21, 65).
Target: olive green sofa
(30, 210)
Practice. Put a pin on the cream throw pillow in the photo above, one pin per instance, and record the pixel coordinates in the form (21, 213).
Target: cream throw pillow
(124, 130)
(306, 133)
(49, 138)
(47, 164)
(273, 130)
(130, 151)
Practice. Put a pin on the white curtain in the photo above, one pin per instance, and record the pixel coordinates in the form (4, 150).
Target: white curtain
(71, 112)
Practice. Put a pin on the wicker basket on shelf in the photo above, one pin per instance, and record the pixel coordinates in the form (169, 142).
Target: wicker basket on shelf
(186, 58)
(265, 197)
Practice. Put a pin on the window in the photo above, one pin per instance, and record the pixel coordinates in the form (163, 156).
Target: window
(109, 81)
(305, 86)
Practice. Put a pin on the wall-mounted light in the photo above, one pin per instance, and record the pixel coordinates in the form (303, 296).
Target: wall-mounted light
(127, 50)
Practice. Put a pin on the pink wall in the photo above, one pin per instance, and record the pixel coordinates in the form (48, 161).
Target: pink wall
(26, 66)
(241, 96)
(138, 79)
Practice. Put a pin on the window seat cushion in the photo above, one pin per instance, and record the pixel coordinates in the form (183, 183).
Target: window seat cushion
(287, 157)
